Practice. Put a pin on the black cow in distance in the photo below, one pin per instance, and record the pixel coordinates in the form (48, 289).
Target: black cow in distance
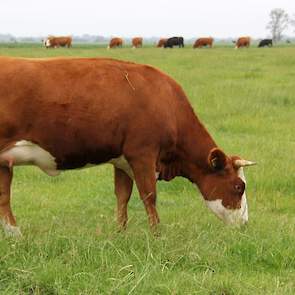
(265, 42)
(174, 41)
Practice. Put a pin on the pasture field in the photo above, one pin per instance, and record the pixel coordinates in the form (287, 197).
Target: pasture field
(246, 98)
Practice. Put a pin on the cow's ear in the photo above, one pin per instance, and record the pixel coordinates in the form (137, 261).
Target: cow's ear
(217, 159)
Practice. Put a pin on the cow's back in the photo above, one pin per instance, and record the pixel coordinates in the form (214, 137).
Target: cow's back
(92, 107)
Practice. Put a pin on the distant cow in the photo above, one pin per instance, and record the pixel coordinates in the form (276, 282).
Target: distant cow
(55, 42)
(116, 42)
(161, 42)
(243, 42)
(202, 42)
(137, 42)
(174, 41)
(265, 42)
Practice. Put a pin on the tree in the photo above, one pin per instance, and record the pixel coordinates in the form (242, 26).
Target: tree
(292, 21)
(279, 21)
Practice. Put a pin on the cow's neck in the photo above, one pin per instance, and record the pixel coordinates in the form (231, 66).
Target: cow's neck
(195, 142)
(194, 147)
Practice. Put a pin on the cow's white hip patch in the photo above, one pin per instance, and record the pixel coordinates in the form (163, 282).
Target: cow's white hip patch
(27, 153)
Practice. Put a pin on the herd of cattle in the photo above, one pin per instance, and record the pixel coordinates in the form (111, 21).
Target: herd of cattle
(55, 42)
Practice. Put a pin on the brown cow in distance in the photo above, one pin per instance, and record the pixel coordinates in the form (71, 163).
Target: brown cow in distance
(76, 112)
(115, 42)
(55, 42)
(162, 42)
(202, 42)
(137, 42)
(243, 42)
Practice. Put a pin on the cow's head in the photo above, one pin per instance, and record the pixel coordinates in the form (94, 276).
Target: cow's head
(223, 187)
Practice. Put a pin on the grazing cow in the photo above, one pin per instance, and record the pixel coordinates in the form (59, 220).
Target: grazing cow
(201, 42)
(72, 112)
(265, 42)
(55, 42)
(174, 41)
(161, 42)
(137, 42)
(115, 42)
(243, 42)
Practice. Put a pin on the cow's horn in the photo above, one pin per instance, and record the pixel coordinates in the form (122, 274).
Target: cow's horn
(243, 163)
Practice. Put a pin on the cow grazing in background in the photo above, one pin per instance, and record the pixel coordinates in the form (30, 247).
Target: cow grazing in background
(137, 42)
(174, 41)
(202, 42)
(115, 42)
(56, 42)
(243, 42)
(161, 42)
(75, 112)
(265, 42)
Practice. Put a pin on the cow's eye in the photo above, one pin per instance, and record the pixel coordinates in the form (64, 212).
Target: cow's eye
(239, 188)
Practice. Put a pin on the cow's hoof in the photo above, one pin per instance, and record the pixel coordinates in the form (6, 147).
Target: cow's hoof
(11, 230)
(155, 231)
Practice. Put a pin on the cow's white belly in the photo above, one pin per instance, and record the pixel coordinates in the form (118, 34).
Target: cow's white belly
(28, 153)
(122, 164)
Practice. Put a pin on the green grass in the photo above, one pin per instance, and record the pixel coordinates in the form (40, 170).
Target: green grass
(70, 244)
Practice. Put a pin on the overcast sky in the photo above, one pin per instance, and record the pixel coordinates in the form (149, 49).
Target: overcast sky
(127, 18)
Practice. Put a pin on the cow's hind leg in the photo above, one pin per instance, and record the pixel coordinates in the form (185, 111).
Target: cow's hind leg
(144, 170)
(123, 190)
(6, 216)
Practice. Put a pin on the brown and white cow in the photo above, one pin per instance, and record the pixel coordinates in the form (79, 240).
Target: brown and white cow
(137, 42)
(55, 42)
(243, 42)
(162, 42)
(66, 113)
(115, 42)
(202, 42)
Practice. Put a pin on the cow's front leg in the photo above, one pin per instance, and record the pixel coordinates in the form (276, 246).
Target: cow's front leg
(6, 217)
(145, 177)
(123, 190)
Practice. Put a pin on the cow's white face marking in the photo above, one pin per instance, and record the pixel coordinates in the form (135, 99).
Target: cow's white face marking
(10, 230)
(47, 43)
(27, 153)
(231, 216)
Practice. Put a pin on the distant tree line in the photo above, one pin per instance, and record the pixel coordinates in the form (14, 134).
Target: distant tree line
(278, 23)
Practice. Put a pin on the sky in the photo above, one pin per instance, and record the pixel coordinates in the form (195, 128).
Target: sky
(127, 18)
